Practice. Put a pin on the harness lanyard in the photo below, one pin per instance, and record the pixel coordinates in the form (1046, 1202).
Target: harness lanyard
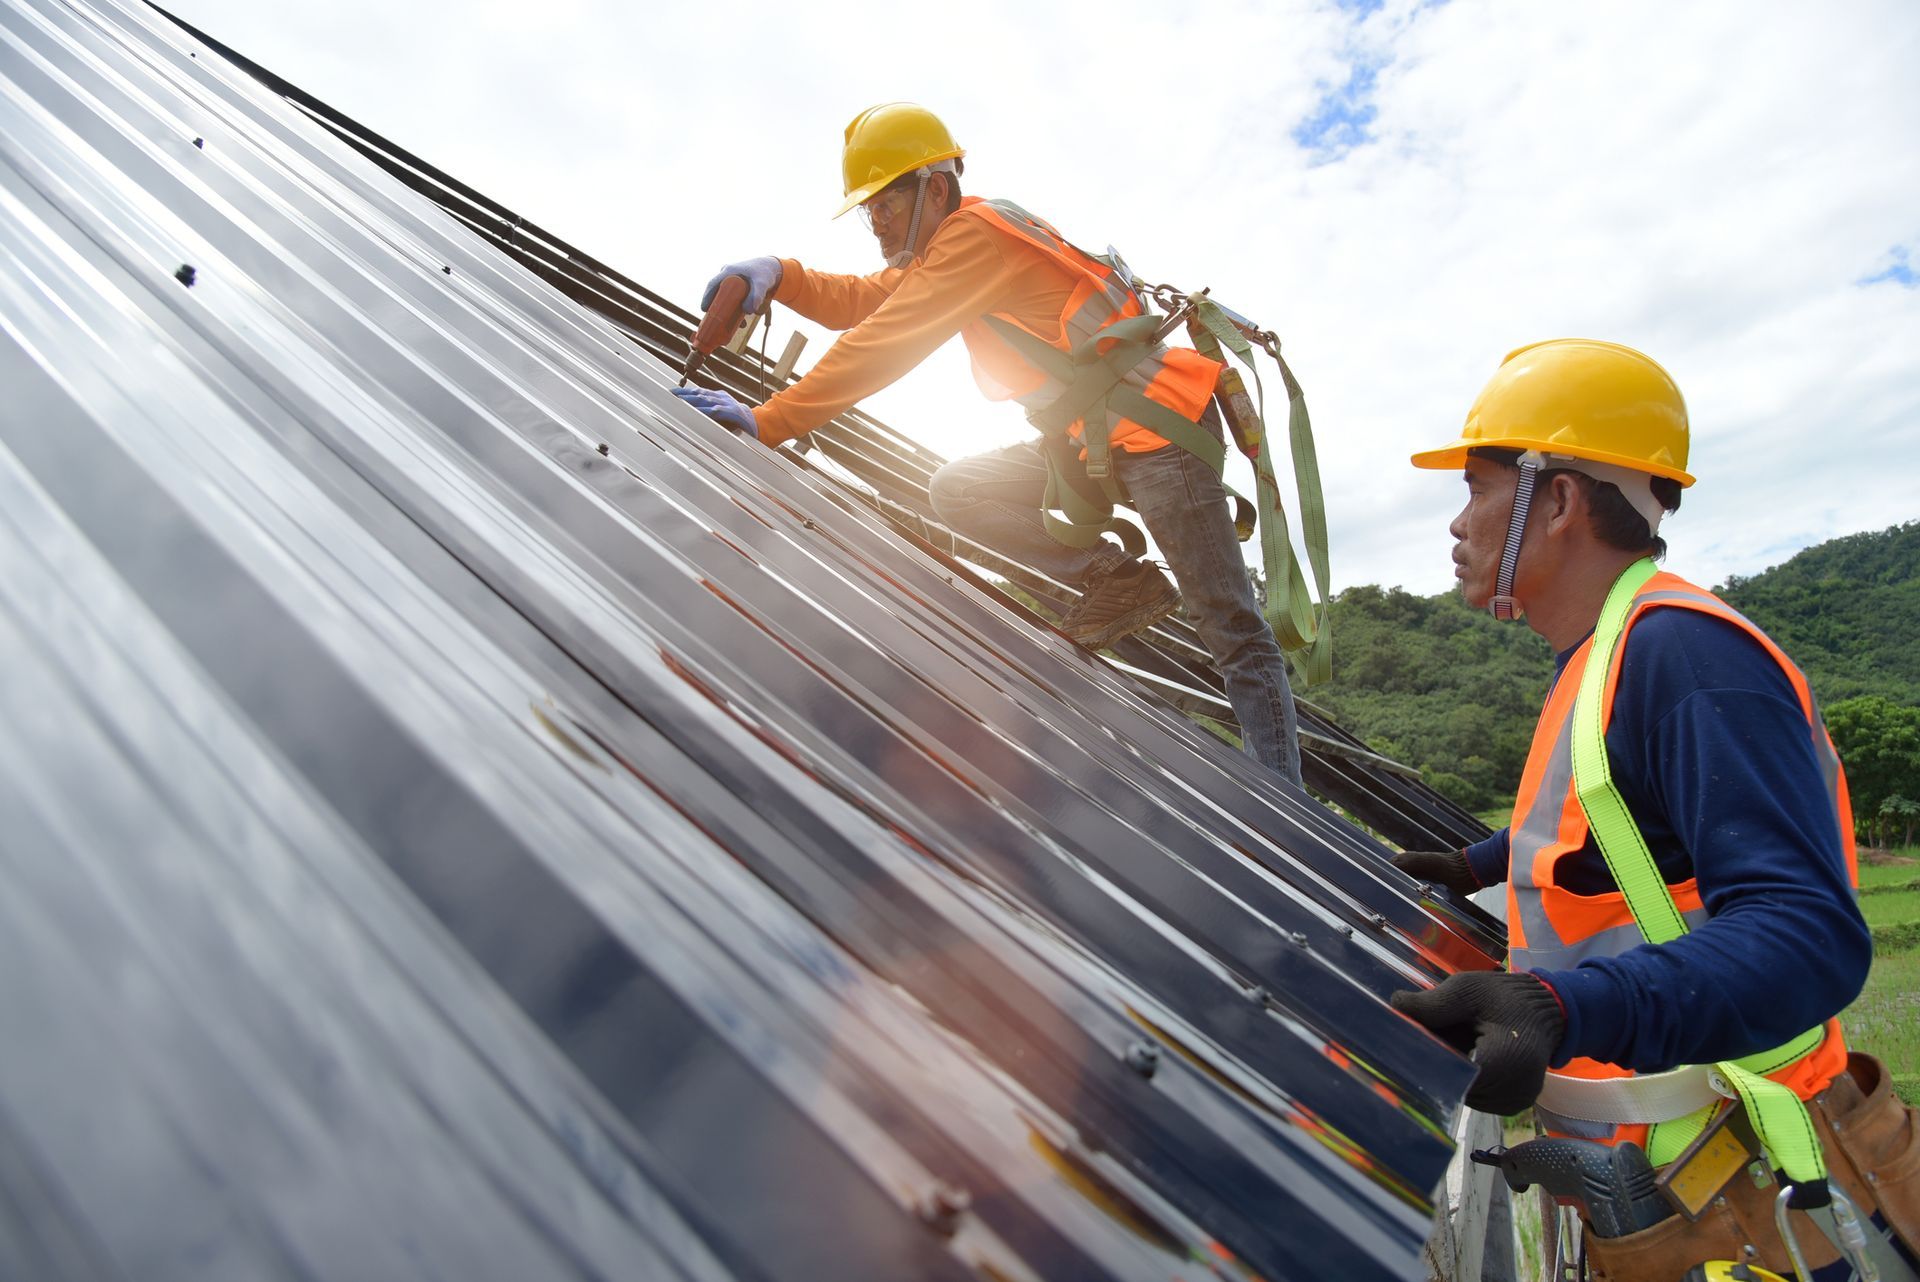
(1298, 621)
(1095, 390)
(1778, 1115)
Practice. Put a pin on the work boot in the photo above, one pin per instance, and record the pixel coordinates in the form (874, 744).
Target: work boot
(1120, 602)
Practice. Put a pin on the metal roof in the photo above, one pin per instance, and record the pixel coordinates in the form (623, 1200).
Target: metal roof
(468, 816)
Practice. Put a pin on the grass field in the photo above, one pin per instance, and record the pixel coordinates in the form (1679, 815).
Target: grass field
(1875, 877)
(1889, 908)
(1886, 1018)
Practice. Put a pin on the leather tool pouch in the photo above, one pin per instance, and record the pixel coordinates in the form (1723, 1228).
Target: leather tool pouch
(1872, 1145)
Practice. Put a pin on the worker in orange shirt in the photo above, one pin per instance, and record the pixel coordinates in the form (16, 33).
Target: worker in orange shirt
(1024, 299)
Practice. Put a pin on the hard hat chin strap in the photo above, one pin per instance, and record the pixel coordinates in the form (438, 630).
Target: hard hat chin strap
(1503, 605)
(905, 257)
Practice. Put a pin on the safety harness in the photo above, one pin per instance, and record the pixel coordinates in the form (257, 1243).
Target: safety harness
(1681, 1102)
(1083, 488)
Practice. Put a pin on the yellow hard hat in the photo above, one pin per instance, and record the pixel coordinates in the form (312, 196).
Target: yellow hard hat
(889, 140)
(1579, 398)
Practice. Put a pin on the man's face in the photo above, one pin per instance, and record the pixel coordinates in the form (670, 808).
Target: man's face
(1480, 531)
(891, 212)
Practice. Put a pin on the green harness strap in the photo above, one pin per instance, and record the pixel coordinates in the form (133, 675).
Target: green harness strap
(1298, 621)
(1095, 387)
(1778, 1116)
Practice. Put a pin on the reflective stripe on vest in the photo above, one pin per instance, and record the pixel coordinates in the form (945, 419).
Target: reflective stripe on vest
(1178, 378)
(1552, 928)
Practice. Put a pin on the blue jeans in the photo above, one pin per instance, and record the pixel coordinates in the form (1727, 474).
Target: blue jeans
(994, 499)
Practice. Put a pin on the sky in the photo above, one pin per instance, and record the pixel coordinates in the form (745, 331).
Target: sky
(1403, 190)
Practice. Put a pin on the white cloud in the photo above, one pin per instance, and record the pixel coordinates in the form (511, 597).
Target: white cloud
(1708, 181)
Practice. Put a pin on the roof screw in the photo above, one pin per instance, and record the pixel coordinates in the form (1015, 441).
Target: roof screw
(942, 1207)
(1299, 938)
(1258, 995)
(1430, 890)
(200, 143)
(1346, 930)
(1144, 1059)
(807, 524)
(447, 270)
(186, 275)
(602, 447)
(1378, 921)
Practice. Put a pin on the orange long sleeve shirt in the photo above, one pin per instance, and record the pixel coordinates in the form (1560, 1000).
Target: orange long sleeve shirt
(896, 318)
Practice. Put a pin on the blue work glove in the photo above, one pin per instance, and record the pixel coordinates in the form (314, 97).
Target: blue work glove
(762, 276)
(721, 408)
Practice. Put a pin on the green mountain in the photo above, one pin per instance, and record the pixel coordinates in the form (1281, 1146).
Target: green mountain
(1444, 688)
(1847, 611)
(1450, 690)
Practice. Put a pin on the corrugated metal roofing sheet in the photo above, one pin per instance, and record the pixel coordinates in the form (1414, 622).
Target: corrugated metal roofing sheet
(467, 816)
(889, 472)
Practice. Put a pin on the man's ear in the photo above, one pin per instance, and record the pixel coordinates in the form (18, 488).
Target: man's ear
(1560, 502)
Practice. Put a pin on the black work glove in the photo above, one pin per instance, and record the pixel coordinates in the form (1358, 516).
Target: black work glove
(1509, 1023)
(1449, 868)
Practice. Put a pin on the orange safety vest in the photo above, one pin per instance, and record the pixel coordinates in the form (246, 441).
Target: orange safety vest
(1179, 378)
(1550, 928)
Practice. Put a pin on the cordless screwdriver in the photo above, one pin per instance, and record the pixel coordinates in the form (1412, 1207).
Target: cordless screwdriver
(718, 325)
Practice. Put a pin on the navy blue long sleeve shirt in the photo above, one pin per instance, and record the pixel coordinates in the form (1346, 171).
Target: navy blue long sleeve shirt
(1711, 753)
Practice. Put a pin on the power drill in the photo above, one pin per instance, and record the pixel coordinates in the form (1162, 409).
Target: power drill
(1613, 1184)
(717, 326)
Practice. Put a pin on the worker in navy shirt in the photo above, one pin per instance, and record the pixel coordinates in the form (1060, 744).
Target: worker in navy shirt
(1571, 457)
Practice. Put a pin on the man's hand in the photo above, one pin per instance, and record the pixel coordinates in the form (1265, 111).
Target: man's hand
(721, 408)
(762, 276)
(1448, 868)
(1509, 1023)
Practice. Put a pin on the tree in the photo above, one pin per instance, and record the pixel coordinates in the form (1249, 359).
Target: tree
(1899, 810)
(1879, 744)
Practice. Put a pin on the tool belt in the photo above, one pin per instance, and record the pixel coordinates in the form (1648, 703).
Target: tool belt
(1871, 1143)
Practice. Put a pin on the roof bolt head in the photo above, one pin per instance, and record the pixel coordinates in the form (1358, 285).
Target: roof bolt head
(1144, 1059)
(447, 271)
(1298, 938)
(602, 447)
(808, 524)
(200, 143)
(1378, 921)
(1346, 930)
(942, 1208)
(186, 275)
(1258, 995)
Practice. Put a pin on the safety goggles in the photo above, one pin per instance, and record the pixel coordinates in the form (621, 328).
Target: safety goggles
(890, 202)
